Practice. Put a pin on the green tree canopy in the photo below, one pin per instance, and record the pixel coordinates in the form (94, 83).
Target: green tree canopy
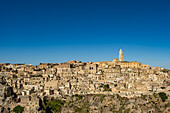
(163, 96)
(18, 109)
(55, 105)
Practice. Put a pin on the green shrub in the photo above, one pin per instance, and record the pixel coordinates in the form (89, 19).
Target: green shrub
(55, 105)
(167, 105)
(163, 96)
(143, 96)
(127, 110)
(154, 94)
(106, 87)
(77, 109)
(18, 109)
(80, 97)
(114, 106)
(102, 98)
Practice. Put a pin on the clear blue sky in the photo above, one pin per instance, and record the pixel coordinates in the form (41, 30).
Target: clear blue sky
(34, 31)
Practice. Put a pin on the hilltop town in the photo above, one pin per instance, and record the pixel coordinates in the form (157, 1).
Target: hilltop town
(30, 86)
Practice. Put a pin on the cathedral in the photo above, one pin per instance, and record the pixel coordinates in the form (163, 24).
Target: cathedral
(128, 64)
(120, 56)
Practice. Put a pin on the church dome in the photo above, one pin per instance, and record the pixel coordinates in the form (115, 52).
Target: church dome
(115, 59)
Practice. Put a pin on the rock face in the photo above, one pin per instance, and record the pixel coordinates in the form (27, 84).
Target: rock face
(107, 104)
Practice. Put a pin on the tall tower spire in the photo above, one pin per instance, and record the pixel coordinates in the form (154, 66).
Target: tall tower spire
(120, 55)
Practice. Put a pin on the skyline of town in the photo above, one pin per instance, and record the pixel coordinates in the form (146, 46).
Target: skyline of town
(81, 61)
(117, 86)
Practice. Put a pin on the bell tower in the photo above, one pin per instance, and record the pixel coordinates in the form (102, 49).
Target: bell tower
(120, 55)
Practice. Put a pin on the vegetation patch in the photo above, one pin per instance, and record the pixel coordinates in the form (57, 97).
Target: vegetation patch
(18, 109)
(107, 88)
(167, 105)
(54, 105)
(143, 96)
(163, 96)
(77, 109)
(127, 110)
(154, 94)
(102, 98)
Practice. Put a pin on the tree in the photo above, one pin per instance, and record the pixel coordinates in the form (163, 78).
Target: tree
(163, 96)
(18, 109)
(106, 87)
(55, 105)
